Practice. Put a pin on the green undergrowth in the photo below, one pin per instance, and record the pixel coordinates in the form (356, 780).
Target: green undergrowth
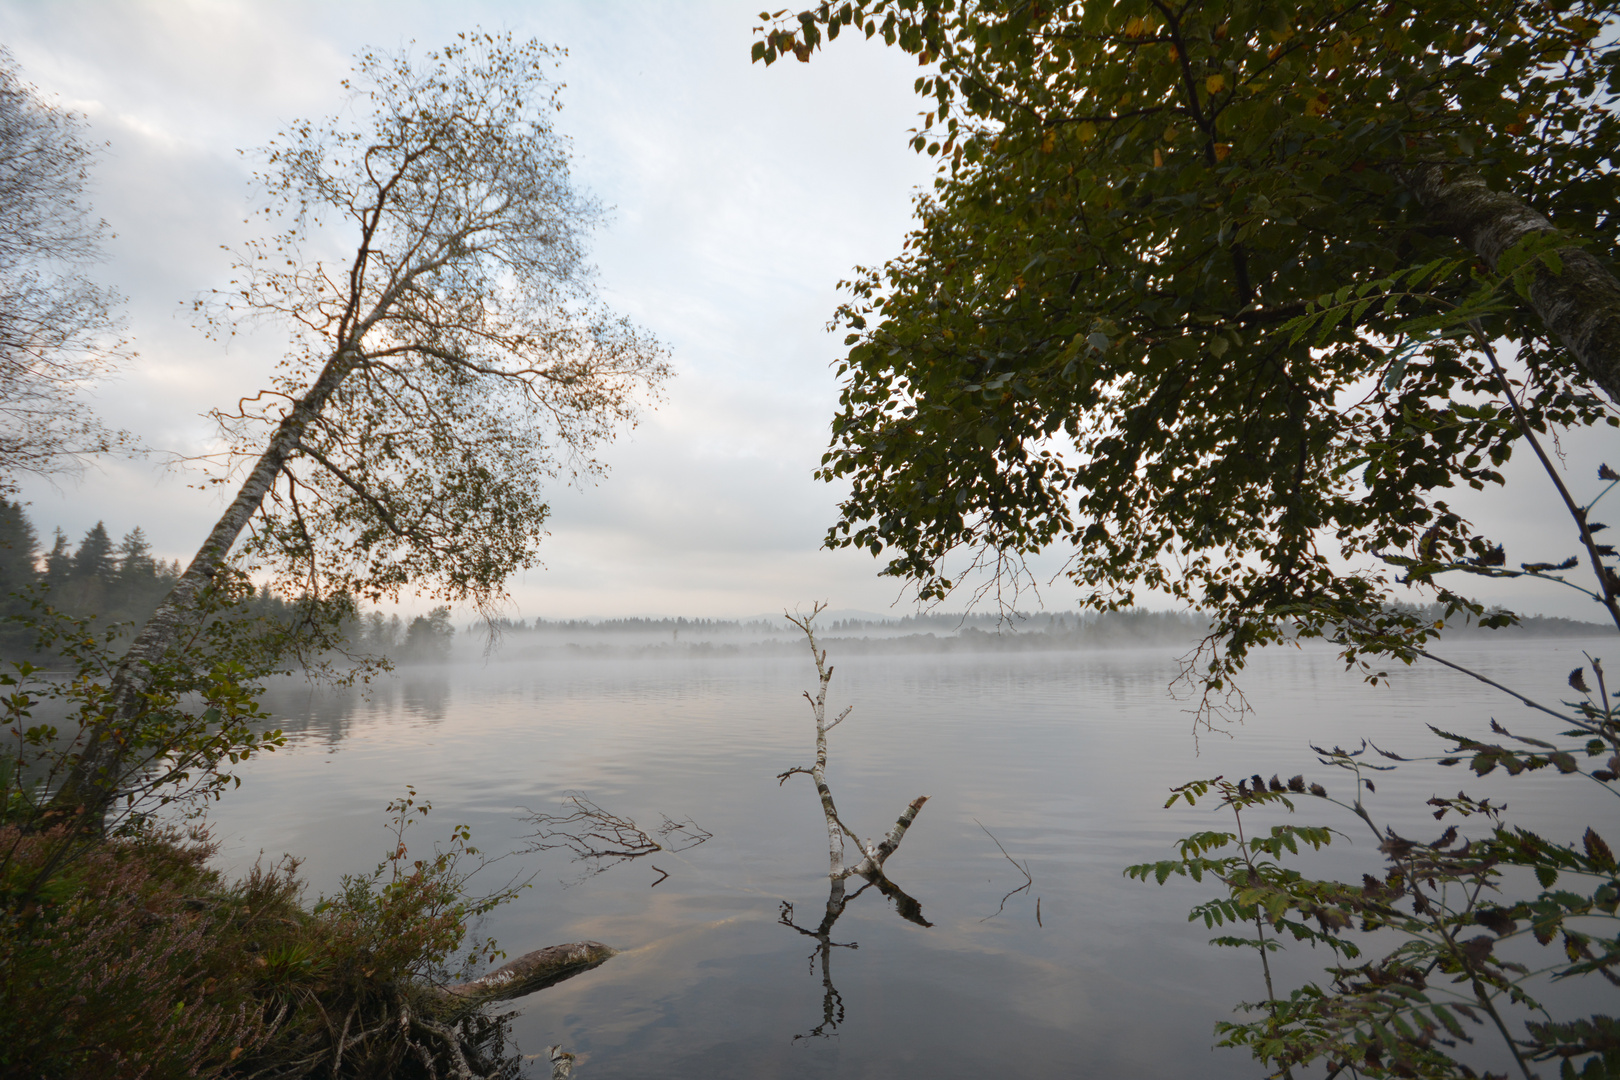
(138, 960)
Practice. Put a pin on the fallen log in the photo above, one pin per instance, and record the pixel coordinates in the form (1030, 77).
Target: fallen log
(533, 971)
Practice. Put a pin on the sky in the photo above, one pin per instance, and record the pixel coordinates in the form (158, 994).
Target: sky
(739, 197)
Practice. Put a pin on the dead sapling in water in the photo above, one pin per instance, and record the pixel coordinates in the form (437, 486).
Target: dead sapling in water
(602, 840)
(873, 855)
(868, 867)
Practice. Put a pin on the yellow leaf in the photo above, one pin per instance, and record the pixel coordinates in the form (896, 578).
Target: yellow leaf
(1317, 106)
(1087, 131)
(1158, 160)
(1215, 83)
(1049, 141)
(1134, 27)
(1223, 151)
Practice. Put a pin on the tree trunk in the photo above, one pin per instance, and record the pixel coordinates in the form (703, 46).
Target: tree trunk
(533, 971)
(1580, 305)
(92, 783)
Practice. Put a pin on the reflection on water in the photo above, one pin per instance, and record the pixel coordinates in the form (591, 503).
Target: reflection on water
(832, 1002)
(1065, 758)
(307, 711)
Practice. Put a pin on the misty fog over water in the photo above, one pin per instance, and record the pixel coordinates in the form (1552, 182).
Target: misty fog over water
(854, 633)
(1064, 753)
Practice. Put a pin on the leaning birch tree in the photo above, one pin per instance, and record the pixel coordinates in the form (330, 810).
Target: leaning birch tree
(442, 371)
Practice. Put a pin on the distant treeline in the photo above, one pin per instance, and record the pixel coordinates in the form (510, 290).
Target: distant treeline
(124, 583)
(926, 632)
(1527, 626)
(1140, 621)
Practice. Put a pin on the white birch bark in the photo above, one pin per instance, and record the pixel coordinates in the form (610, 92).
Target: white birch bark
(92, 783)
(1580, 305)
(872, 855)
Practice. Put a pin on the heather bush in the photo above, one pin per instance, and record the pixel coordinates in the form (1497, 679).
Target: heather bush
(136, 960)
(119, 966)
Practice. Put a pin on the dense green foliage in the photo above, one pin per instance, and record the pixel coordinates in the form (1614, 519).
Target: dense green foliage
(1436, 952)
(1090, 339)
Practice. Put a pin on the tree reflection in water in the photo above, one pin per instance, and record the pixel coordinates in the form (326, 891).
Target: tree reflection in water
(832, 1002)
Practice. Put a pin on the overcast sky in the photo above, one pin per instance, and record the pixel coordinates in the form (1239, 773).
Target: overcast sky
(740, 197)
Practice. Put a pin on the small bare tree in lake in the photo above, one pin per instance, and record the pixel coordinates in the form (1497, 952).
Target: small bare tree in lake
(873, 854)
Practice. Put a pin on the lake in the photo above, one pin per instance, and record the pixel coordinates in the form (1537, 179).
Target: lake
(1065, 757)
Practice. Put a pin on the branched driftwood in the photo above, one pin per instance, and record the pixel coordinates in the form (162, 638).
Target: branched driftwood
(601, 839)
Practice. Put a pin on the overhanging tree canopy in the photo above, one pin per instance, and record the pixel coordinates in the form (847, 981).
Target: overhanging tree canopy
(1091, 337)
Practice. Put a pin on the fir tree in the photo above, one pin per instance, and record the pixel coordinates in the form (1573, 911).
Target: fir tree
(19, 553)
(135, 563)
(94, 559)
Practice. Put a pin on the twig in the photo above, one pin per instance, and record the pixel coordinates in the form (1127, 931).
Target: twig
(1578, 513)
(1028, 880)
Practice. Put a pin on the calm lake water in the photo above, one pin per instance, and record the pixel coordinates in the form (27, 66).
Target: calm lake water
(1065, 757)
